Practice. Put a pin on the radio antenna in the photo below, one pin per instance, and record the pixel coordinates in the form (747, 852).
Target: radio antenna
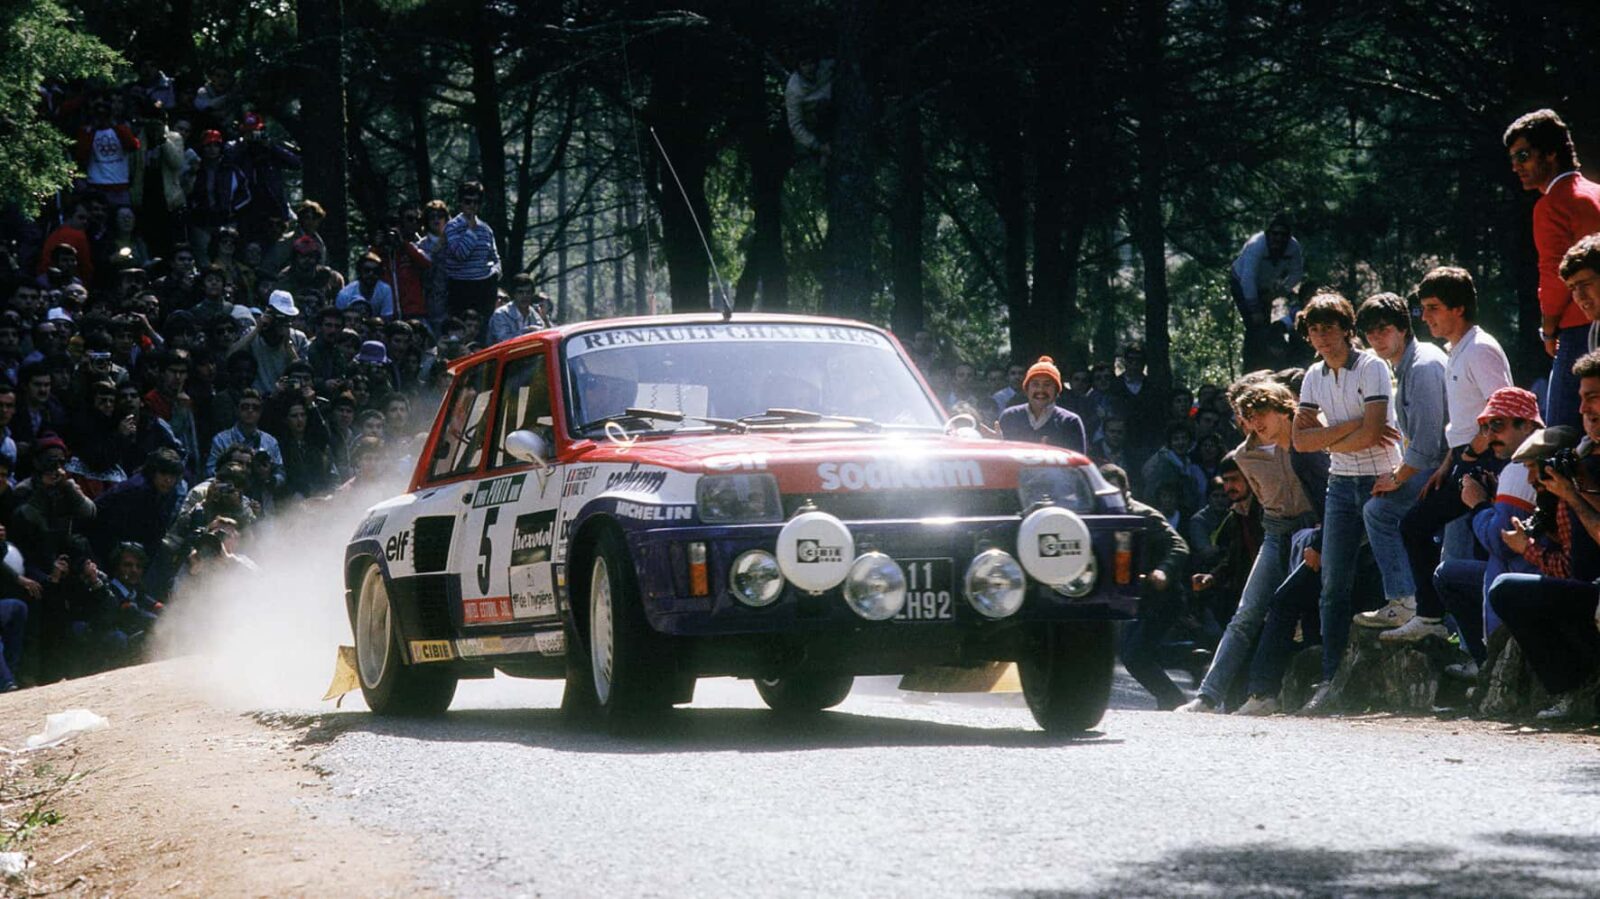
(722, 289)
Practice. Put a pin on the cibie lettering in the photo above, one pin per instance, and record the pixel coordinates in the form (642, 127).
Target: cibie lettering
(885, 474)
(813, 551)
(1051, 545)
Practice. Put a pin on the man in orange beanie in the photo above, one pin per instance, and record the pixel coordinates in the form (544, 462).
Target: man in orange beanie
(1040, 420)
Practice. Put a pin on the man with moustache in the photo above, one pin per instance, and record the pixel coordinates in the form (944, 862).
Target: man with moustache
(1040, 420)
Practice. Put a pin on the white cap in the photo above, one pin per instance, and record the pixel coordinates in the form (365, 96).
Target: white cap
(282, 302)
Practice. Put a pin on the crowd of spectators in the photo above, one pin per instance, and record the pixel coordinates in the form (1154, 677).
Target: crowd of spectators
(1401, 483)
(182, 361)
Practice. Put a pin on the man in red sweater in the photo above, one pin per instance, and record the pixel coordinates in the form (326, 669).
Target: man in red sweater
(1544, 160)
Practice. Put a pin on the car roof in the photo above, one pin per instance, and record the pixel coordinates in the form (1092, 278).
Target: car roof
(562, 332)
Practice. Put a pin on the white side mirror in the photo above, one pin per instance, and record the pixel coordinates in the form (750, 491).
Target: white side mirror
(527, 446)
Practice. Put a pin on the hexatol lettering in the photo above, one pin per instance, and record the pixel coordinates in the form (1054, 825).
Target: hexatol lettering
(810, 551)
(533, 538)
(897, 474)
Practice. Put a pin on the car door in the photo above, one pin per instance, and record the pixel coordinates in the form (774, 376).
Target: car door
(527, 563)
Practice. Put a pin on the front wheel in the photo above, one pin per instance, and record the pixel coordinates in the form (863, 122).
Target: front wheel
(629, 665)
(389, 685)
(1067, 678)
(804, 693)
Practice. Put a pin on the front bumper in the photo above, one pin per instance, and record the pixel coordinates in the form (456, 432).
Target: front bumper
(659, 557)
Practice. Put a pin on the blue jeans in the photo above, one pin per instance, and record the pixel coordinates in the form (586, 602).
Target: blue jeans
(1561, 402)
(1270, 568)
(1553, 621)
(1342, 532)
(1460, 585)
(1382, 515)
(13, 625)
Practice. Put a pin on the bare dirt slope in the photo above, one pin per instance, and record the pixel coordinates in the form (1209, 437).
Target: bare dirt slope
(181, 798)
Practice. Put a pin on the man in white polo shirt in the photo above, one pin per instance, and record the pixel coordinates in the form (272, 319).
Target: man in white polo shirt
(1477, 367)
(1345, 409)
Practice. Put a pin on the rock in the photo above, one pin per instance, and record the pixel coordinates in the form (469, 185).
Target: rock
(1507, 689)
(1375, 676)
(1300, 681)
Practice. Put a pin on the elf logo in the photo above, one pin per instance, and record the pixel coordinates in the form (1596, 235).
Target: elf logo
(395, 549)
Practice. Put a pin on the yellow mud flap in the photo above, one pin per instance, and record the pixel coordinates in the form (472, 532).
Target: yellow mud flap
(992, 677)
(344, 676)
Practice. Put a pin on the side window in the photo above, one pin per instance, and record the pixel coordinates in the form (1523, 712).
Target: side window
(461, 441)
(524, 405)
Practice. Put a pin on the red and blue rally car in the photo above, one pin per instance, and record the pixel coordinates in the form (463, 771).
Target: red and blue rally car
(632, 504)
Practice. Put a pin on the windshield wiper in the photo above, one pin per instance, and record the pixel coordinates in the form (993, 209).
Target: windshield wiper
(779, 415)
(634, 415)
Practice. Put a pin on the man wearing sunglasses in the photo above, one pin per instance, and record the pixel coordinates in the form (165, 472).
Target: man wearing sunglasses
(470, 258)
(1543, 159)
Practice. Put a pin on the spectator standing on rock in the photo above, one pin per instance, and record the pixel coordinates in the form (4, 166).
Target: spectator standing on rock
(1345, 409)
(1419, 370)
(469, 255)
(1270, 265)
(1286, 484)
(1478, 381)
(1040, 420)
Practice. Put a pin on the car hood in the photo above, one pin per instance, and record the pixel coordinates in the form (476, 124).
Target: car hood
(833, 462)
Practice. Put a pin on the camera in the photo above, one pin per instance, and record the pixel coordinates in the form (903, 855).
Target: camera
(1562, 462)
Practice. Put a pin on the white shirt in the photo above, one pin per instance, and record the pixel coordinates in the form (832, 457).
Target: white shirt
(1515, 489)
(1343, 396)
(1477, 368)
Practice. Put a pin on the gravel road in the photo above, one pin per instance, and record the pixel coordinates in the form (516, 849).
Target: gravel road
(894, 795)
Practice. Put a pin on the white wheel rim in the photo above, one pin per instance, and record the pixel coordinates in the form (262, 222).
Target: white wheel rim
(602, 655)
(374, 630)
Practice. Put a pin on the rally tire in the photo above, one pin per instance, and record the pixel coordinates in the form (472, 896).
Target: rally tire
(804, 694)
(1066, 678)
(389, 685)
(631, 675)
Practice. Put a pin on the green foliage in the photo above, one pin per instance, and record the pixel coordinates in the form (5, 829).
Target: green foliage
(1207, 336)
(39, 42)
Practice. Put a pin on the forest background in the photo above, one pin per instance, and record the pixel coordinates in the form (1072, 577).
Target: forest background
(1013, 177)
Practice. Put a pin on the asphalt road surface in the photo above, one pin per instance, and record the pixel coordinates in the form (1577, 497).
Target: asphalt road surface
(896, 795)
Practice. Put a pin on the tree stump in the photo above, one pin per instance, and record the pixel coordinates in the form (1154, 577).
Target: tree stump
(1300, 681)
(1375, 676)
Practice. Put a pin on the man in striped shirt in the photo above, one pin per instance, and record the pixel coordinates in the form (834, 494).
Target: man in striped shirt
(1345, 409)
(470, 258)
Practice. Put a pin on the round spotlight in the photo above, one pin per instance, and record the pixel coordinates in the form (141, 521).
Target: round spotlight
(815, 551)
(755, 578)
(1054, 545)
(996, 584)
(875, 588)
(1083, 584)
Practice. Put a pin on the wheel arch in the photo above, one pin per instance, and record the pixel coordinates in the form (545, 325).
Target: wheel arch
(357, 559)
(580, 556)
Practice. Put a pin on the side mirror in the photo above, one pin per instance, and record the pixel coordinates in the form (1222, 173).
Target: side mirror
(527, 446)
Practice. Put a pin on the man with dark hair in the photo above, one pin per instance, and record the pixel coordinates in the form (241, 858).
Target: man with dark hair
(140, 509)
(247, 431)
(1580, 271)
(1543, 159)
(518, 315)
(1164, 558)
(1477, 373)
(469, 255)
(1555, 620)
(1345, 409)
(1385, 320)
(1270, 265)
(368, 286)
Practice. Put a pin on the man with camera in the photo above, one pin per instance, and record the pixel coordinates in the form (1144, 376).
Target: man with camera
(272, 342)
(1556, 620)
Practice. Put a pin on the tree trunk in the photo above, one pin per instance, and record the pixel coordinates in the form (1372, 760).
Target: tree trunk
(766, 269)
(1054, 309)
(1150, 231)
(682, 129)
(591, 271)
(639, 249)
(484, 114)
(847, 250)
(324, 178)
(1012, 207)
(908, 213)
(563, 310)
(517, 237)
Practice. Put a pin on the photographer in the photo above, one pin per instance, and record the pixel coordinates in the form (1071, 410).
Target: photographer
(272, 343)
(1556, 620)
(404, 268)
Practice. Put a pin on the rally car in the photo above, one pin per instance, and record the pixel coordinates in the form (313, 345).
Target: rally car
(632, 504)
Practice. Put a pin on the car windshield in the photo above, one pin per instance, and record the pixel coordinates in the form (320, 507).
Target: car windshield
(733, 370)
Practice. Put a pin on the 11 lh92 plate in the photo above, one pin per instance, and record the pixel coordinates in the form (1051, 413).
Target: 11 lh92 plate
(930, 590)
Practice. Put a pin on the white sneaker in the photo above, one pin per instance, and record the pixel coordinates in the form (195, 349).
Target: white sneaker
(1565, 708)
(1258, 706)
(1198, 704)
(1417, 629)
(1394, 614)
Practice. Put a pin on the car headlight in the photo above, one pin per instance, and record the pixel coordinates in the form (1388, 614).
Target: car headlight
(734, 498)
(1082, 584)
(1065, 485)
(755, 578)
(996, 585)
(875, 588)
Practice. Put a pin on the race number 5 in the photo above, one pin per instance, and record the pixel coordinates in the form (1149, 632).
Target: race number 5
(486, 548)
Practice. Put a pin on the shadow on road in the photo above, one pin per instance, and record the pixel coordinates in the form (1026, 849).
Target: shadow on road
(682, 730)
(1514, 864)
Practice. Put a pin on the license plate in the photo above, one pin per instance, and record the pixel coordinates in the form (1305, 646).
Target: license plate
(930, 594)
